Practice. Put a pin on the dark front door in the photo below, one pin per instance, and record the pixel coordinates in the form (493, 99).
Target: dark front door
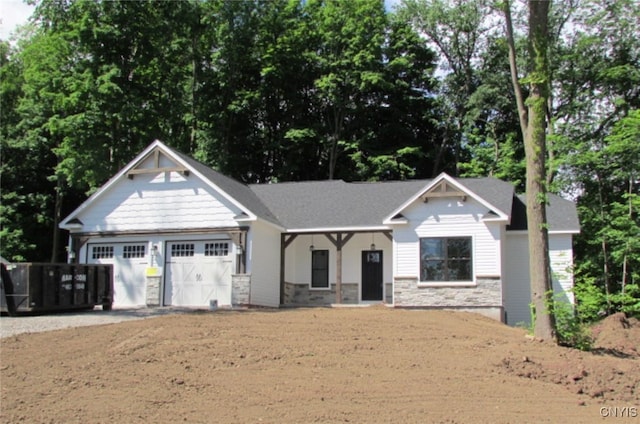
(372, 275)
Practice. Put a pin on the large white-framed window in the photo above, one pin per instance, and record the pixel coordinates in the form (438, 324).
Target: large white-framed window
(446, 259)
(319, 269)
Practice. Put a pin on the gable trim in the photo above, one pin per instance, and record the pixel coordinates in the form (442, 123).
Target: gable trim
(443, 181)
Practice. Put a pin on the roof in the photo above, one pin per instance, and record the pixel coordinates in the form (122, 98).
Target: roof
(562, 215)
(334, 203)
(239, 191)
(338, 205)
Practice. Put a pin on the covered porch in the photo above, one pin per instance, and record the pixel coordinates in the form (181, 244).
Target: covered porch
(336, 267)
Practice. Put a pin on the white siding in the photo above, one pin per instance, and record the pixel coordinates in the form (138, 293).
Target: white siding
(448, 217)
(517, 290)
(263, 263)
(157, 202)
(561, 257)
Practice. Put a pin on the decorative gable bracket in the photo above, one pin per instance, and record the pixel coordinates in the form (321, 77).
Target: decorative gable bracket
(158, 157)
(443, 189)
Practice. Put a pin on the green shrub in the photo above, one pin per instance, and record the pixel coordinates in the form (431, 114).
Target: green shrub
(627, 302)
(591, 302)
(571, 331)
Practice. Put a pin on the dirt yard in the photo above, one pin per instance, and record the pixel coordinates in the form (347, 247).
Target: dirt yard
(364, 365)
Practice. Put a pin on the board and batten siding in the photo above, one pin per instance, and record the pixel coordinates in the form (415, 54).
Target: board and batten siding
(448, 217)
(157, 202)
(263, 263)
(517, 287)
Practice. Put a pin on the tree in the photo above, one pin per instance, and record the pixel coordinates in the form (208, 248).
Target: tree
(533, 120)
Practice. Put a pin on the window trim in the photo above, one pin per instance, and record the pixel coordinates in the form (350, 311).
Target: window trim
(448, 283)
(328, 286)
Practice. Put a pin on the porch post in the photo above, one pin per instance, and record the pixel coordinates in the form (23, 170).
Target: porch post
(282, 248)
(285, 241)
(339, 268)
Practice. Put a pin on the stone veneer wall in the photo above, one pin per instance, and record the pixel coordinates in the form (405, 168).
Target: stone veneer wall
(484, 297)
(153, 290)
(240, 289)
(300, 294)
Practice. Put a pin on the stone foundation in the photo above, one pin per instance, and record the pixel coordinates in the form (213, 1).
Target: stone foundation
(485, 297)
(302, 295)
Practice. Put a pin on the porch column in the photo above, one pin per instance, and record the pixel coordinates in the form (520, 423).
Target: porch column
(284, 243)
(338, 242)
(339, 269)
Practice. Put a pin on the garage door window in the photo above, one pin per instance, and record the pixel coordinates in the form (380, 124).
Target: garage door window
(102, 252)
(134, 251)
(216, 249)
(182, 249)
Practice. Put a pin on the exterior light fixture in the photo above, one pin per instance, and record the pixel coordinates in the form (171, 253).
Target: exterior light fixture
(312, 247)
(373, 244)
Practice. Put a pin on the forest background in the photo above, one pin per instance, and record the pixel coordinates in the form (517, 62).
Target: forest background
(290, 90)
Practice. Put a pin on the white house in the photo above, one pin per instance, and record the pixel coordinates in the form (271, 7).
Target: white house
(180, 233)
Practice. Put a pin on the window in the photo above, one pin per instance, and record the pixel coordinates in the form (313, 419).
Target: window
(216, 249)
(102, 252)
(320, 269)
(182, 249)
(445, 259)
(134, 251)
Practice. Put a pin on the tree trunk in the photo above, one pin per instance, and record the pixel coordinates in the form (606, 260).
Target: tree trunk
(535, 153)
(57, 212)
(533, 119)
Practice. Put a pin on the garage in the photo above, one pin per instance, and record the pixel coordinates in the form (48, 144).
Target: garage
(129, 262)
(198, 272)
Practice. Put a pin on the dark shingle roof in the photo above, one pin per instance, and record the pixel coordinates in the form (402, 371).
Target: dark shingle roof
(239, 191)
(334, 204)
(338, 204)
(561, 214)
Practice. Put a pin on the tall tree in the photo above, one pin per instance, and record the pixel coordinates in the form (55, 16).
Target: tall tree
(533, 119)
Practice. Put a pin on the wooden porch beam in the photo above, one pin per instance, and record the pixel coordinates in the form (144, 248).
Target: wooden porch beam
(288, 238)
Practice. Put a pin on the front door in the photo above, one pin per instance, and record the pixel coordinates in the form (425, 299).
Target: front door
(372, 275)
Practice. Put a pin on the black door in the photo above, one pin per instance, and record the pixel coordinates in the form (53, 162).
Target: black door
(372, 275)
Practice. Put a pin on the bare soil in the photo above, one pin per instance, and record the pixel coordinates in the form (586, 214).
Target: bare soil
(373, 365)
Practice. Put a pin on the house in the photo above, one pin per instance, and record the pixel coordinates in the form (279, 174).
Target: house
(180, 233)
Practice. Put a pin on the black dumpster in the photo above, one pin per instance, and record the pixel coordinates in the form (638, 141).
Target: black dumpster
(49, 287)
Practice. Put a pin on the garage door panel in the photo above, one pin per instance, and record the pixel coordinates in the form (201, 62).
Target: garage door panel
(129, 261)
(198, 272)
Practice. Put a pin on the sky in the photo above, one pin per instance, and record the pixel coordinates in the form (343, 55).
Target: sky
(12, 14)
(16, 12)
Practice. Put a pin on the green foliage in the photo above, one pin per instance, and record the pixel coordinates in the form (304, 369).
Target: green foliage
(628, 301)
(571, 331)
(591, 301)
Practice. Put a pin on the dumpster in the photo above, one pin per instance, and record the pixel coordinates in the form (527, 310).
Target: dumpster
(49, 287)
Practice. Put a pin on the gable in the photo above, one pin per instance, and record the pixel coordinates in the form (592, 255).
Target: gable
(182, 186)
(163, 200)
(494, 191)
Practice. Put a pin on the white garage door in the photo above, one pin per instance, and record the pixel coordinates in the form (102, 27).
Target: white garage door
(198, 272)
(129, 261)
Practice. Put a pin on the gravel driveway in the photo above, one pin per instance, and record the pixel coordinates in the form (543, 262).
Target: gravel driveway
(10, 326)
